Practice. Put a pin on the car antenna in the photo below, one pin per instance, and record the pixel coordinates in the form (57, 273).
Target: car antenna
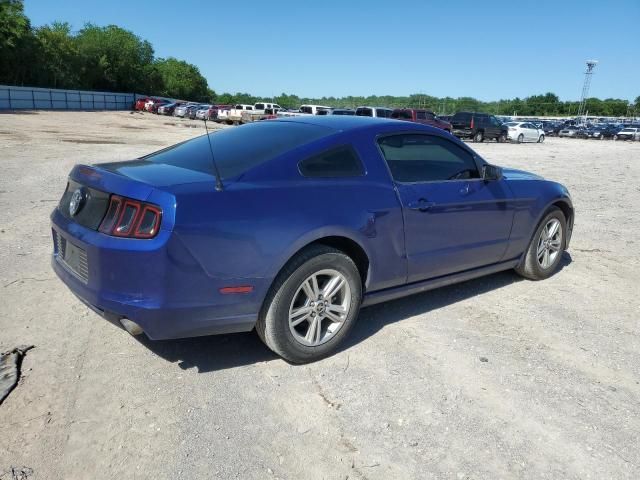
(213, 160)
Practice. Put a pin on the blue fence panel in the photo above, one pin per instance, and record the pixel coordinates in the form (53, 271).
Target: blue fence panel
(21, 98)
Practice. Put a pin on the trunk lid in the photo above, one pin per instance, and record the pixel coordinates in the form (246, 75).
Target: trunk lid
(92, 187)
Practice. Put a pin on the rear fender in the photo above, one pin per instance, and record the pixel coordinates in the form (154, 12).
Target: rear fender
(313, 236)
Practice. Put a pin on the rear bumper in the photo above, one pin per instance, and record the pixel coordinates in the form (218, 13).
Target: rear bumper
(462, 132)
(155, 283)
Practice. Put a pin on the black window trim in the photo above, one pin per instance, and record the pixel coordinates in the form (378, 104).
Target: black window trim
(347, 146)
(477, 159)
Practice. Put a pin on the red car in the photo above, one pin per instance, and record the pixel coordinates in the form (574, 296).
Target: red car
(425, 117)
(140, 103)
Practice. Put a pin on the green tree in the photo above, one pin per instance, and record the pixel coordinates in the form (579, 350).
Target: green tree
(114, 59)
(58, 54)
(17, 44)
(181, 80)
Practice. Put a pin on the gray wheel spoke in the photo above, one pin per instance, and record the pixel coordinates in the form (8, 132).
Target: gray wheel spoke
(555, 245)
(308, 290)
(541, 248)
(312, 331)
(339, 309)
(296, 317)
(555, 225)
(333, 287)
(319, 307)
(314, 285)
(333, 317)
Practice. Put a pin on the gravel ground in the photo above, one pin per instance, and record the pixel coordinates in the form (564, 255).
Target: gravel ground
(494, 378)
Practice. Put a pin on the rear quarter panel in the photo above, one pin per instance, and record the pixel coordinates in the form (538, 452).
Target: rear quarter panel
(252, 228)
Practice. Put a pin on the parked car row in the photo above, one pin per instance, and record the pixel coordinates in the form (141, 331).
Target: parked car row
(476, 126)
(601, 132)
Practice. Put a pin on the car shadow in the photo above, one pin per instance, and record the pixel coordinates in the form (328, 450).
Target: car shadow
(220, 352)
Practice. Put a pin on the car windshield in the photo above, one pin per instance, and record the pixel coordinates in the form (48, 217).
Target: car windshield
(236, 150)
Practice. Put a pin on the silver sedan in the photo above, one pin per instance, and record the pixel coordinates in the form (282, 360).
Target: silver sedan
(524, 132)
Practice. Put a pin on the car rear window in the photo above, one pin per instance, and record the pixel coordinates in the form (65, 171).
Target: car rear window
(338, 162)
(239, 149)
(364, 112)
(401, 114)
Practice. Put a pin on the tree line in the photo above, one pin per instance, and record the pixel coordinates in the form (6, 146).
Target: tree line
(113, 59)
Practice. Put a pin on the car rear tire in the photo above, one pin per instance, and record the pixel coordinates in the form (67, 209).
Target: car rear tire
(502, 138)
(541, 139)
(312, 305)
(478, 137)
(520, 138)
(615, 137)
(543, 256)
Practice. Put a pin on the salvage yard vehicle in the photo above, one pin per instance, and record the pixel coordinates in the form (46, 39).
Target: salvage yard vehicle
(524, 132)
(478, 126)
(297, 224)
(336, 111)
(377, 112)
(183, 110)
(570, 131)
(261, 111)
(167, 109)
(303, 110)
(629, 133)
(234, 115)
(426, 117)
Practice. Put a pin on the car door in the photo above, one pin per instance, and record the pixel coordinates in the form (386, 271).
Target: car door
(529, 131)
(453, 220)
(494, 127)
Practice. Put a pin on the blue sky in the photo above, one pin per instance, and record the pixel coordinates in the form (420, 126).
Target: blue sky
(358, 47)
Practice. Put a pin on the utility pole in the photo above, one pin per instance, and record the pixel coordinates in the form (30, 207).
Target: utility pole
(591, 64)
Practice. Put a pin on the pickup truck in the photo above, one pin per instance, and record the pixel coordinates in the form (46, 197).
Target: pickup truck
(261, 111)
(417, 115)
(233, 116)
(304, 110)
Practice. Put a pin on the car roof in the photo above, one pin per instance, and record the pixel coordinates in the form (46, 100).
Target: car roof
(348, 122)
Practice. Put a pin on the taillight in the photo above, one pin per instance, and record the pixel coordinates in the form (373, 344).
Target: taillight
(131, 219)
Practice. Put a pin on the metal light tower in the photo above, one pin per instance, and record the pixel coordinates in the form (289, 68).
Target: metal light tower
(591, 64)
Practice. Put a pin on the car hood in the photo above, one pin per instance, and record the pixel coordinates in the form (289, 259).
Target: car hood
(513, 174)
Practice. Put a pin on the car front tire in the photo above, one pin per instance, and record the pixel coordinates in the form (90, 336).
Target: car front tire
(520, 138)
(541, 139)
(543, 256)
(312, 305)
(478, 137)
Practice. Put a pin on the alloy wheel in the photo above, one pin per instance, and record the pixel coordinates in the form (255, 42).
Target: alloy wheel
(319, 307)
(549, 244)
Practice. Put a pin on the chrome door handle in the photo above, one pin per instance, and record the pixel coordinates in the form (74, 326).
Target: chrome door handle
(422, 204)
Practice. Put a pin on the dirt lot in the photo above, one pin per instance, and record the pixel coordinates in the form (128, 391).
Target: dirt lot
(410, 396)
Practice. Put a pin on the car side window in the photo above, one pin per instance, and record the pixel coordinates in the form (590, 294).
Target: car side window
(421, 115)
(337, 162)
(426, 158)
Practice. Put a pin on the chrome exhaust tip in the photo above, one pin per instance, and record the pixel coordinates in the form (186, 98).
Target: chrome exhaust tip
(132, 327)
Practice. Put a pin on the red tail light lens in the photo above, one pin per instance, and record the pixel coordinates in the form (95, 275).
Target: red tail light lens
(131, 219)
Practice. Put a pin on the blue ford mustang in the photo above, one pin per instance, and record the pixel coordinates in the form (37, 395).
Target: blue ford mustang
(297, 224)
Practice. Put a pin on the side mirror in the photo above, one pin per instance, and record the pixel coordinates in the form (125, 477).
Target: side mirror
(491, 173)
